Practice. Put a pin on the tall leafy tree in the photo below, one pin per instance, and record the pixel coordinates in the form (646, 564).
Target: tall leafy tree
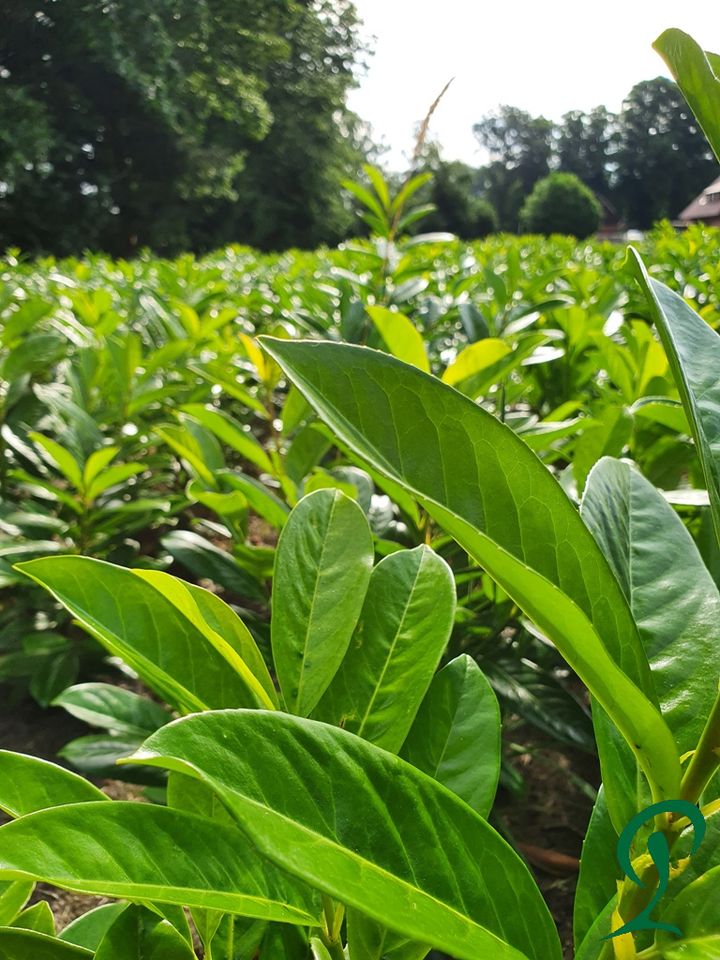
(521, 150)
(137, 119)
(663, 158)
(586, 144)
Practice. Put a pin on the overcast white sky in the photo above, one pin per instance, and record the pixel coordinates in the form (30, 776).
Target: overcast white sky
(546, 57)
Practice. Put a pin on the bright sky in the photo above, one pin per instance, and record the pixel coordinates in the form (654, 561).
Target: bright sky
(545, 57)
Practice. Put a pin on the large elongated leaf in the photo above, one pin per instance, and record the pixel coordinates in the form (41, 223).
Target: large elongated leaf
(674, 599)
(146, 853)
(403, 629)
(28, 784)
(135, 621)
(322, 568)
(693, 349)
(366, 827)
(456, 735)
(489, 491)
(599, 871)
(695, 72)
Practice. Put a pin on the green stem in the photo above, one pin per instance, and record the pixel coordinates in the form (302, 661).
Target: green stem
(330, 936)
(706, 759)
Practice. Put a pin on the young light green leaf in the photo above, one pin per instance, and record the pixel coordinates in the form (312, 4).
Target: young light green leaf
(13, 897)
(62, 458)
(477, 479)
(474, 358)
(39, 917)
(96, 463)
(28, 784)
(697, 79)
(89, 929)
(384, 837)
(693, 349)
(143, 852)
(403, 630)
(113, 708)
(322, 568)
(401, 338)
(114, 475)
(135, 621)
(456, 734)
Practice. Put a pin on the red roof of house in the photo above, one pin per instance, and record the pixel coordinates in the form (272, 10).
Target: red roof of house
(706, 206)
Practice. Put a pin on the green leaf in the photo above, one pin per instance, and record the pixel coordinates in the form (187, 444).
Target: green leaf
(96, 463)
(696, 78)
(114, 475)
(366, 827)
(143, 852)
(28, 784)
(674, 600)
(113, 708)
(189, 449)
(696, 912)
(205, 560)
(53, 674)
(230, 432)
(456, 735)
(139, 934)
(62, 458)
(322, 568)
(39, 917)
(224, 629)
(97, 756)
(599, 871)
(474, 358)
(401, 338)
(403, 630)
(89, 929)
(261, 500)
(16, 944)
(693, 349)
(477, 479)
(133, 620)
(13, 897)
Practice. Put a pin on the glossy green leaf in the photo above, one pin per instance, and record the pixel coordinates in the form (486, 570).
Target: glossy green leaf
(113, 708)
(28, 784)
(365, 827)
(225, 631)
(143, 852)
(62, 458)
(116, 474)
(674, 600)
(599, 870)
(485, 488)
(474, 358)
(205, 560)
(97, 755)
(401, 338)
(695, 911)
(693, 349)
(16, 944)
(97, 462)
(322, 568)
(39, 917)
(697, 79)
(139, 934)
(231, 433)
(456, 735)
(403, 630)
(89, 929)
(13, 897)
(133, 620)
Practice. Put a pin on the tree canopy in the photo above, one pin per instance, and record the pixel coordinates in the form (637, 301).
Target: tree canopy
(124, 124)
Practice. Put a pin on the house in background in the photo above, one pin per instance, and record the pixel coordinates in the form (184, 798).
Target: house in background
(703, 209)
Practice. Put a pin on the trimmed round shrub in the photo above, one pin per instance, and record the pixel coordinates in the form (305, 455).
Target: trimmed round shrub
(561, 203)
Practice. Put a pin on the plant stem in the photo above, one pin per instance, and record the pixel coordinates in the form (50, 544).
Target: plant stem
(330, 936)
(706, 759)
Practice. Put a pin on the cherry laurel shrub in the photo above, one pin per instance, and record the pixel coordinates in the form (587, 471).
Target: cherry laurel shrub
(343, 812)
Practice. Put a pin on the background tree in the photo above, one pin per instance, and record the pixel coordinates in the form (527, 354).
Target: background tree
(459, 209)
(521, 149)
(586, 144)
(663, 158)
(561, 203)
(138, 119)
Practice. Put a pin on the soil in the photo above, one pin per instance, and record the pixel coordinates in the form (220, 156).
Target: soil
(546, 821)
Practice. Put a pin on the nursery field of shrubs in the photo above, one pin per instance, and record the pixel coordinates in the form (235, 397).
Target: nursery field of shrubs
(313, 546)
